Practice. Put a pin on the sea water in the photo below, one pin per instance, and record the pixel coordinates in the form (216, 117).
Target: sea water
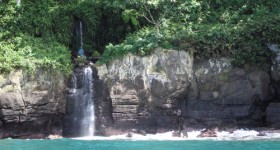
(73, 144)
(238, 140)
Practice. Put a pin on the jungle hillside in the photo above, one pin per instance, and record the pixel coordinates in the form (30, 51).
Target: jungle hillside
(43, 33)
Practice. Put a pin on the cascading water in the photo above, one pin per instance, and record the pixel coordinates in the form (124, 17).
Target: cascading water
(18, 2)
(81, 50)
(81, 34)
(88, 109)
(80, 118)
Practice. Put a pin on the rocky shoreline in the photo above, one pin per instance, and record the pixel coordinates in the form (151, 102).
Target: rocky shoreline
(148, 92)
(166, 91)
(197, 134)
(188, 133)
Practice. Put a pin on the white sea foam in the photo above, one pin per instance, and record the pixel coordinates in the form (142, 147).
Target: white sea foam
(241, 134)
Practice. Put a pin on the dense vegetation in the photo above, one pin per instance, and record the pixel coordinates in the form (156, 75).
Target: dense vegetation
(27, 38)
(43, 33)
(240, 29)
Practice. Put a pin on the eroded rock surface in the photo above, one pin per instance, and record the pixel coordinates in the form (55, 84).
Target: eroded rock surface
(148, 92)
(272, 115)
(221, 95)
(31, 104)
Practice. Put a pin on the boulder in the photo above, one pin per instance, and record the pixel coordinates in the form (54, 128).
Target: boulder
(184, 133)
(141, 132)
(176, 134)
(261, 133)
(129, 135)
(208, 133)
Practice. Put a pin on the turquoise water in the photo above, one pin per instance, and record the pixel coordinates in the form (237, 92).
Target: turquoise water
(70, 144)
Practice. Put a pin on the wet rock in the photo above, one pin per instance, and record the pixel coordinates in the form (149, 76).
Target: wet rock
(33, 136)
(176, 134)
(4, 134)
(129, 135)
(261, 133)
(54, 136)
(208, 133)
(184, 133)
(142, 132)
(273, 115)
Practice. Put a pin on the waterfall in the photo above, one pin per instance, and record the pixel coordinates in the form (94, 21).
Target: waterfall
(18, 2)
(88, 109)
(81, 50)
(80, 118)
(81, 34)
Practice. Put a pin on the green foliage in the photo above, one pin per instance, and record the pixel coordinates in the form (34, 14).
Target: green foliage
(141, 43)
(235, 28)
(130, 15)
(62, 23)
(81, 59)
(30, 53)
(37, 32)
(96, 54)
(28, 41)
(38, 25)
(88, 12)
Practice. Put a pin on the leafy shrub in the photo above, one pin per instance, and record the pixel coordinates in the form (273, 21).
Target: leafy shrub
(30, 53)
(27, 41)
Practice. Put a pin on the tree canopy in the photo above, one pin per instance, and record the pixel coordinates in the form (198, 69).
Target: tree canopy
(40, 33)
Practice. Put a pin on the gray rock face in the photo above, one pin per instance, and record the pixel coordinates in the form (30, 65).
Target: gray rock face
(275, 69)
(272, 115)
(31, 103)
(147, 92)
(220, 94)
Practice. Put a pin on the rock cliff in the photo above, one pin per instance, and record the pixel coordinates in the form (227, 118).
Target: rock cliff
(31, 105)
(169, 90)
(147, 92)
(164, 91)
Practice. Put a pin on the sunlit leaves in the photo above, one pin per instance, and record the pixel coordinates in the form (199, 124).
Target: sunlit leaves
(30, 53)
